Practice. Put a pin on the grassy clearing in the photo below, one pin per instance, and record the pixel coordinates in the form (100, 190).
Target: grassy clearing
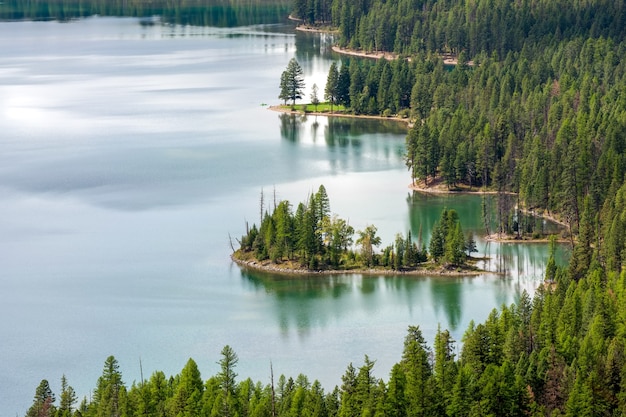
(320, 108)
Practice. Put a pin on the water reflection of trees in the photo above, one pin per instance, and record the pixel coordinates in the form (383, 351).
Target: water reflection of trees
(338, 131)
(220, 13)
(291, 125)
(446, 293)
(507, 259)
(299, 302)
(304, 302)
(425, 209)
(313, 50)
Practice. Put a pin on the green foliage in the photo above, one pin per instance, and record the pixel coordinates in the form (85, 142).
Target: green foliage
(187, 397)
(367, 240)
(514, 364)
(311, 11)
(418, 370)
(447, 242)
(331, 91)
(67, 400)
(109, 397)
(494, 123)
(470, 244)
(227, 383)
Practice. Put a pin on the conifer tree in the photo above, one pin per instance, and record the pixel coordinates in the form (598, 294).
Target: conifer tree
(226, 378)
(67, 400)
(444, 369)
(437, 242)
(396, 403)
(188, 392)
(331, 93)
(470, 244)
(343, 85)
(292, 82)
(455, 245)
(43, 402)
(417, 367)
(109, 396)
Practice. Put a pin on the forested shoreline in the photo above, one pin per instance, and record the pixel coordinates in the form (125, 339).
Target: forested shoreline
(541, 119)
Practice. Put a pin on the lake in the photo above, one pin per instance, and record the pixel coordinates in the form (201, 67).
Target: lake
(129, 155)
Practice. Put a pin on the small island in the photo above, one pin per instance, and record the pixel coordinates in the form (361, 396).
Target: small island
(311, 240)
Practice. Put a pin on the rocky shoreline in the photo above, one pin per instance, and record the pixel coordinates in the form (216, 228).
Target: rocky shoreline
(267, 266)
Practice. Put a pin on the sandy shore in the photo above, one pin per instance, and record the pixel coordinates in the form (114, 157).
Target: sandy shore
(438, 186)
(287, 109)
(448, 59)
(374, 55)
(303, 28)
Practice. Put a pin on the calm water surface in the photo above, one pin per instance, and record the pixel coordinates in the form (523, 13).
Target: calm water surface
(129, 153)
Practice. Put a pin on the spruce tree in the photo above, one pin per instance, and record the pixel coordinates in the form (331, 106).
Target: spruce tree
(226, 378)
(437, 242)
(292, 82)
(417, 366)
(43, 402)
(110, 391)
(330, 91)
(188, 392)
(67, 400)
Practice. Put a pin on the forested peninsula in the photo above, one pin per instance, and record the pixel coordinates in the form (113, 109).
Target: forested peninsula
(541, 119)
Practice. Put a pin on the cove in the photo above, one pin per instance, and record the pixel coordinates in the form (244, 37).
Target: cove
(131, 152)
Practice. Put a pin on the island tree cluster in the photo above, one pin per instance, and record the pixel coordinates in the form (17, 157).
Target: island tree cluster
(314, 239)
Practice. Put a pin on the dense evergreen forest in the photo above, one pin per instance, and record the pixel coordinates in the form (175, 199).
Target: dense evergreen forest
(409, 27)
(222, 13)
(314, 239)
(540, 116)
